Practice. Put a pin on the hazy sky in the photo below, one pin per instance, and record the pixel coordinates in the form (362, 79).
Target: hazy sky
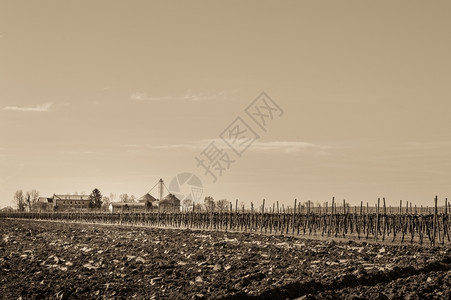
(117, 94)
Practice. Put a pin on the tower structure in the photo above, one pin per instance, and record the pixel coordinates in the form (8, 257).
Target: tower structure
(161, 189)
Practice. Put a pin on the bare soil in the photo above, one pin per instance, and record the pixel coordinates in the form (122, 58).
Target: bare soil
(56, 260)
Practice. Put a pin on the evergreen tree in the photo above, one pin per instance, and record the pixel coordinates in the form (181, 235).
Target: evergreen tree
(95, 199)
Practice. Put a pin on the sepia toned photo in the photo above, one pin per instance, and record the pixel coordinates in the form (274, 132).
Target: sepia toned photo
(228, 150)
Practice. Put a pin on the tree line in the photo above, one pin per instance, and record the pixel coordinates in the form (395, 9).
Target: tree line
(209, 205)
(24, 200)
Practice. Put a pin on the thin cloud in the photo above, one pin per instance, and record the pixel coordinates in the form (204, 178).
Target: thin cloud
(201, 96)
(189, 95)
(287, 146)
(139, 96)
(276, 146)
(195, 145)
(38, 108)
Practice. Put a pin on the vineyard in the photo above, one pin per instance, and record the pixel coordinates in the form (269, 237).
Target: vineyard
(415, 225)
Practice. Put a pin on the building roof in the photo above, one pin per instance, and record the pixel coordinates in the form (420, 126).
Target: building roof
(7, 209)
(122, 204)
(45, 200)
(72, 197)
(147, 197)
(170, 199)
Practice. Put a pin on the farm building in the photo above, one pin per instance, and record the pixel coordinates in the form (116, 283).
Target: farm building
(71, 202)
(170, 203)
(43, 204)
(7, 209)
(125, 207)
(61, 203)
(147, 203)
(147, 198)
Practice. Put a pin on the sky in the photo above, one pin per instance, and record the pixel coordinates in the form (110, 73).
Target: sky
(115, 95)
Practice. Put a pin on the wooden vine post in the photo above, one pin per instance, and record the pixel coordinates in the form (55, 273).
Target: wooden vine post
(377, 219)
(345, 217)
(445, 222)
(294, 215)
(434, 224)
(385, 220)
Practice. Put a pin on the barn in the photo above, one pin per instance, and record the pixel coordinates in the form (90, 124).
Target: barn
(71, 202)
(128, 207)
(170, 203)
(61, 203)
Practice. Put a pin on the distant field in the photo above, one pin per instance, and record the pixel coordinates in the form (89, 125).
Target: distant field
(57, 260)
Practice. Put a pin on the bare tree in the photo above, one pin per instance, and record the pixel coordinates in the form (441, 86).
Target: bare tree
(112, 197)
(198, 207)
(123, 198)
(31, 198)
(222, 205)
(132, 199)
(105, 202)
(187, 204)
(34, 196)
(19, 200)
(28, 201)
(209, 203)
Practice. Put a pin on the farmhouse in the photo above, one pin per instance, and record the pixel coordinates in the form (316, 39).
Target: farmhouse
(61, 203)
(71, 202)
(43, 204)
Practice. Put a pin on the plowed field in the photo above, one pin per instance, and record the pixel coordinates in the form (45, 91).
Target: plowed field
(55, 260)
